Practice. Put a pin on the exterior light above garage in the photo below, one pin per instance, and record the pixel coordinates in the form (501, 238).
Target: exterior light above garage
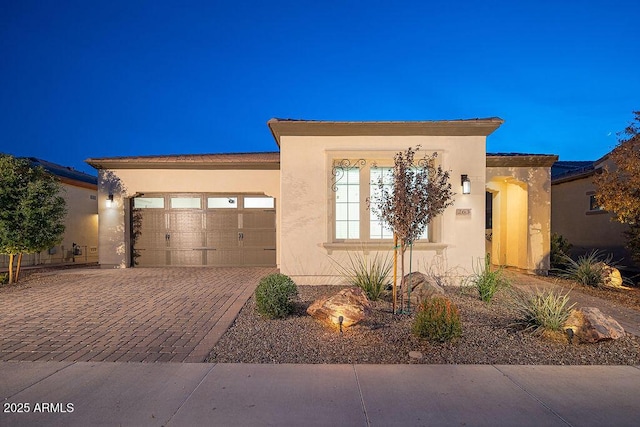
(110, 200)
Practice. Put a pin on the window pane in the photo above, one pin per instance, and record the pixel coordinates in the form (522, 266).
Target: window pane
(341, 211)
(341, 230)
(185, 202)
(347, 205)
(222, 202)
(354, 229)
(148, 202)
(259, 202)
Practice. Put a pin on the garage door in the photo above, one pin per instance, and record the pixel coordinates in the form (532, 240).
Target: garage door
(205, 229)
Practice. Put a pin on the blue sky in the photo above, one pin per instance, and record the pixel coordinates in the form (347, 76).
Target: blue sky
(82, 79)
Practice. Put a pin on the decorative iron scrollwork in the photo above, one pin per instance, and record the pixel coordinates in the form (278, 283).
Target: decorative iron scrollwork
(340, 167)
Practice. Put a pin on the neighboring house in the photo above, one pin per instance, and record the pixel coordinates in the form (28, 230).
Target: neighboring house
(80, 240)
(576, 215)
(303, 208)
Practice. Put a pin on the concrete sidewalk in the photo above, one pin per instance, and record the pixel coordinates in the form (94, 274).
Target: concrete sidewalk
(171, 394)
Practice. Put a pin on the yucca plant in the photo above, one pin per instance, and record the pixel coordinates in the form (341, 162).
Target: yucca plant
(587, 270)
(488, 282)
(542, 310)
(369, 273)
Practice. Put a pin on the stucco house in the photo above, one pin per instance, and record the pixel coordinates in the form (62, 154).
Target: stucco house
(302, 208)
(576, 215)
(80, 240)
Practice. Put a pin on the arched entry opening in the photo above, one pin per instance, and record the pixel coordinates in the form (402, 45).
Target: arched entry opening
(507, 240)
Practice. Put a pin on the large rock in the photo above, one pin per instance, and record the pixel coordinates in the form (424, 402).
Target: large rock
(351, 303)
(422, 287)
(611, 276)
(590, 325)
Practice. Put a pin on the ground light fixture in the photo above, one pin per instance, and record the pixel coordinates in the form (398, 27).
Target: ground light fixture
(466, 184)
(340, 320)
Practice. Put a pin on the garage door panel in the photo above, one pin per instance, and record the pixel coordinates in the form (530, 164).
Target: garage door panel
(224, 257)
(152, 258)
(259, 238)
(222, 220)
(259, 257)
(186, 240)
(186, 257)
(261, 219)
(222, 238)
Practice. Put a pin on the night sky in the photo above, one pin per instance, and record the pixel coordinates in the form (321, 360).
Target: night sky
(82, 79)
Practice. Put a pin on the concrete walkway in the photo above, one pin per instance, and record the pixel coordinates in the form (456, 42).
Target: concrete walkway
(184, 394)
(125, 315)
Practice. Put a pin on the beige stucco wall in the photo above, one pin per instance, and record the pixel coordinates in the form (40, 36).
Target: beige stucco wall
(585, 230)
(521, 216)
(123, 183)
(307, 252)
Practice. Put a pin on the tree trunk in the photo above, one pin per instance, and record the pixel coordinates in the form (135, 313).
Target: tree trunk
(18, 267)
(394, 295)
(10, 268)
(403, 247)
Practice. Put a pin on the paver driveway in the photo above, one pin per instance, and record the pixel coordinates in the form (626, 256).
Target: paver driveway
(135, 314)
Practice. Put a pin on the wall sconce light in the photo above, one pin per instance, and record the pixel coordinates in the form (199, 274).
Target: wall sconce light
(110, 200)
(466, 184)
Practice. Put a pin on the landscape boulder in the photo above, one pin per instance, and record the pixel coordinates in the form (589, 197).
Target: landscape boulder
(422, 287)
(611, 276)
(351, 303)
(590, 325)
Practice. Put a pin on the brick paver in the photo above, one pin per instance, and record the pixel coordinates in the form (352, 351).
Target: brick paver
(125, 315)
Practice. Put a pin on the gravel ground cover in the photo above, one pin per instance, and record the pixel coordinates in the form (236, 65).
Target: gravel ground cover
(487, 338)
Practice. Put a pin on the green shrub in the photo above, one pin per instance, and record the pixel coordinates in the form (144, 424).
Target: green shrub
(371, 274)
(541, 311)
(437, 319)
(587, 270)
(488, 282)
(4, 278)
(560, 248)
(274, 295)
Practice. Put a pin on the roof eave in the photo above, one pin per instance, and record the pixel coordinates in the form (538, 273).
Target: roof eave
(470, 127)
(534, 160)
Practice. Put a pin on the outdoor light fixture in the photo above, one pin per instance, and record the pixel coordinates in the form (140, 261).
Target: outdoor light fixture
(340, 320)
(109, 200)
(466, 184)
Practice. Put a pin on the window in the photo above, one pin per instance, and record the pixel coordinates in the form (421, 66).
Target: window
(185, 202)
(259, 202)
(148, 203)
(353, 187)
(222, 202)
(348, 205)
(593, 203)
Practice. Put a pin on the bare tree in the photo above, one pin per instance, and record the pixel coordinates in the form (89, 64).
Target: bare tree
(420, 192)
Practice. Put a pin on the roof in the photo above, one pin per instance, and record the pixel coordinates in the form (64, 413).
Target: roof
(256, 160)
(65, 173)
(462, 127)
(566, 168)
(520, 160)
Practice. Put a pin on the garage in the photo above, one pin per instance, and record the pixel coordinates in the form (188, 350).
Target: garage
(205, 229)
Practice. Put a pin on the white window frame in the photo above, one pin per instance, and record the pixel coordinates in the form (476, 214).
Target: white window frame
(364, 165)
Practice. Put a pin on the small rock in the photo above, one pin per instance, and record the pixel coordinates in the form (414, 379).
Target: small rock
(415, 355)
(590, 325)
